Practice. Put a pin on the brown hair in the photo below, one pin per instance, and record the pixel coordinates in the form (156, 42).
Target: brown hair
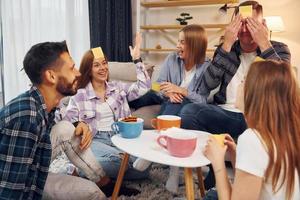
(255, 6)
(196, 43)
(272, 107)
(86, 69)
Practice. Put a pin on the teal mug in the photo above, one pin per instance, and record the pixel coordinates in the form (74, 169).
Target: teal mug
(128, 129)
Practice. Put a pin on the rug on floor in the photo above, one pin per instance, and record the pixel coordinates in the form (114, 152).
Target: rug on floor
(152, 188)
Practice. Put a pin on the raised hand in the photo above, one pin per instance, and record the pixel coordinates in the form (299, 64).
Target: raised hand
(259, 32)
(135, 51)
(231, 32)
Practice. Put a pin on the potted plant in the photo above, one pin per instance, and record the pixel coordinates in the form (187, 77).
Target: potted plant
(183, 18)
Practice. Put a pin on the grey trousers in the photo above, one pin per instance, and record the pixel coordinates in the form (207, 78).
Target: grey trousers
(63, 187)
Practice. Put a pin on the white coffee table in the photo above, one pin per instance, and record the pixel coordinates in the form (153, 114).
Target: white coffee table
(146, 147)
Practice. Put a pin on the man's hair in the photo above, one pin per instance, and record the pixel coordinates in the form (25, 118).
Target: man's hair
(196, 43)
(41, 57)
(255, 6)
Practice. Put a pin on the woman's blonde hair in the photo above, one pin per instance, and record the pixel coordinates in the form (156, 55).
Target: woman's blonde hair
(272, 107)
(196, 43)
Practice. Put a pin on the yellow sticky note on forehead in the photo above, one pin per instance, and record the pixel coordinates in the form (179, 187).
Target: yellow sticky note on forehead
(97, 52)
(246, 11)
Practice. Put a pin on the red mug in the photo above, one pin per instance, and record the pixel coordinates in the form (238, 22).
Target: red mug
(179, 144)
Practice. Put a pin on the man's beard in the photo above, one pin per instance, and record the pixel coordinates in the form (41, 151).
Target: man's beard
(65, 88)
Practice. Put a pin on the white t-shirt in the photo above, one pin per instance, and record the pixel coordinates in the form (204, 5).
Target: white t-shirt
(240, 75)
(188, 76)
(107, 117)
(252, 158)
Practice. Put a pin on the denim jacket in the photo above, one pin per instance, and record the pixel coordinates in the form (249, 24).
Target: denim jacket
(172, 71)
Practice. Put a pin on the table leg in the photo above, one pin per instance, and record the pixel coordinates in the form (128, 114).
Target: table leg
(120, 176)
(200, 181)
(189, 183)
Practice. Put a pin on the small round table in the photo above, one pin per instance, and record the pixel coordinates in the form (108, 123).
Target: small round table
(146, 147)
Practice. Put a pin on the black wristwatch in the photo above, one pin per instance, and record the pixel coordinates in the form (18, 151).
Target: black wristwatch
(137, 60)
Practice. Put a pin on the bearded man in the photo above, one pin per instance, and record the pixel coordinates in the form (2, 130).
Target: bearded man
(26, 145)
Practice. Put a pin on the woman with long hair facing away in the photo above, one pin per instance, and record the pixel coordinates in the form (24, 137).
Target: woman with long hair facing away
(266, 157)
(100, 102)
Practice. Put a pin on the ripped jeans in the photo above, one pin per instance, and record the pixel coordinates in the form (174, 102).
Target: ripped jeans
(110, 157)
(61, 186)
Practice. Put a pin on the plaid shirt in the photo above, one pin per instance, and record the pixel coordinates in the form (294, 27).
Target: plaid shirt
(224, 65)
(82, 106)
(25, 146)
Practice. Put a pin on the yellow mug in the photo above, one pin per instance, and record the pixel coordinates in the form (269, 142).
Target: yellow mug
(155, 86)
(220, 138)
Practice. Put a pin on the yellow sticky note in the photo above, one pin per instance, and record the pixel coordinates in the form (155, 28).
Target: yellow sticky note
(155, 86)
(97, 52)
(220, 138)
(246, 11)
(257, 59)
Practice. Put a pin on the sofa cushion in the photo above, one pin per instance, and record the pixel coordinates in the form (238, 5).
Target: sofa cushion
(125, 71)
(147, 113)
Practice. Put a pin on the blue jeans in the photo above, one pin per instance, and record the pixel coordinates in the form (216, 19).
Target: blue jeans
(148, 99)
(109, 157)
(152, 98)
(213, 119)
(211, 195)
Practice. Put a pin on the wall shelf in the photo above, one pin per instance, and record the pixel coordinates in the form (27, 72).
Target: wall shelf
(166, 31)
(185, 3)
(164, 27)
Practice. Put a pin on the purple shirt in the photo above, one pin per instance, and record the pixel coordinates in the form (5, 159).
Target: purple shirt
(82, 106)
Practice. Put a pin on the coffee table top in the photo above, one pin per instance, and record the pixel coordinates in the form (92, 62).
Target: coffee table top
(146, 147)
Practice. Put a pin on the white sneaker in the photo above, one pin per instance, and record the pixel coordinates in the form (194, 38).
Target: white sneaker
(141, 164)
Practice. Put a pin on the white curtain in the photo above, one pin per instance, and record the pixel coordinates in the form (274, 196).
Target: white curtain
(27, 22)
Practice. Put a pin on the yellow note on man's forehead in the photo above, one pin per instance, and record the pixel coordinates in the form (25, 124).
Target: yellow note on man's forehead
(97, 52)
(246, 11)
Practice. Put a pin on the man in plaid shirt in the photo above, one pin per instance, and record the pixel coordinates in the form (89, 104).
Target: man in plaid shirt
(26, 122)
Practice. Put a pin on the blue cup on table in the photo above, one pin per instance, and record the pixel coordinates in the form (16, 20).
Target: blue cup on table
(128, 129)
